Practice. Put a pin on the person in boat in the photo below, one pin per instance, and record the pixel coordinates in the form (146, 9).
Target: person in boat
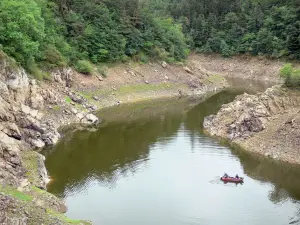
(225, 175)
(237, 177)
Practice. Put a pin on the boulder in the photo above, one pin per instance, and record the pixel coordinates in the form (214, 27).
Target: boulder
(87, 118)
(50, 97)
(99, 77)
(188, 70)
(51, 138)
(74, 111)
(36, 143)
(77, 98)
(92, 118)
(164, 64)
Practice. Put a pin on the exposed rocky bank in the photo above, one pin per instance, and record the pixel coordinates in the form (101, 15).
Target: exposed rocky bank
(267, 123)
(31, 113)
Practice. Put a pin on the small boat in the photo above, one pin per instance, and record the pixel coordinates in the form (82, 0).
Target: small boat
(233, 179)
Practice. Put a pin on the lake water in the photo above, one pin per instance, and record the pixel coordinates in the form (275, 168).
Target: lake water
(151, 164)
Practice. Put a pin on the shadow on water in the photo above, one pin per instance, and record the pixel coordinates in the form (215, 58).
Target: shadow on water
(121, 147)
(118, 147)
(285, 177)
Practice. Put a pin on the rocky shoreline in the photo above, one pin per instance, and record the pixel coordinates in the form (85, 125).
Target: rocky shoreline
(31, 113)
(267, 123)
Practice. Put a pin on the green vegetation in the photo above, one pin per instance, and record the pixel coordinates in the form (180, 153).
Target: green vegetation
(14, 193)
(84, 66)
(62, 217)
(56, 107)
(291, 76)
(68, 99)
(53, 33)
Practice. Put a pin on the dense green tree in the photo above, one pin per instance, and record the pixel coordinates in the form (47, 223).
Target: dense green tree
(54, 33)
(21, 28)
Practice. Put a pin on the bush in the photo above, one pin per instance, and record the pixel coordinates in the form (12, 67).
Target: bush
(53, 57)
(84, 66)
(33, 69)
(290, 75)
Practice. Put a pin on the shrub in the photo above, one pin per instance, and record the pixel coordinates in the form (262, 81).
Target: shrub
(290, 75)
(53, 57)
(33, 69)
(84, 66)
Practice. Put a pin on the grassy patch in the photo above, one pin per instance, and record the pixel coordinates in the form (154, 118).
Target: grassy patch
(68, 99)
(15, 193)
(87, 95)
(213, 79)
(64, 218)
(56, 108)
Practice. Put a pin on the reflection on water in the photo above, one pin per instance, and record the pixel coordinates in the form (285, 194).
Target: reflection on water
(157, 167)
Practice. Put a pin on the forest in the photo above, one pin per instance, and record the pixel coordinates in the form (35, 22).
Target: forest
(54, 33)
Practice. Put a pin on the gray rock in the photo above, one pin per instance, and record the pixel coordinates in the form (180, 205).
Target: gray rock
(92, 118)
(74, 111)
(77, 98)
(43, 174)
(50, 97)
(57, 77)
(36, 143)
(100, 78)
(188, 70)
(246, 115)
(96, 98)
(25, 109)
(51, 138)
(164, 64)
(4, 92)
(93, 108)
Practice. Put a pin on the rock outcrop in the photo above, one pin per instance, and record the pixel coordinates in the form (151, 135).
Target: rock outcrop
(267, 123)
(24, 124)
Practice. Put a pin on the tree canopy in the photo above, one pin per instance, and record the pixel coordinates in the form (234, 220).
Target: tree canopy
(55, 33)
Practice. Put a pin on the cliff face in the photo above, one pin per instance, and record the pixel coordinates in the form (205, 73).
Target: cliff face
(267, 123)
(24, 126)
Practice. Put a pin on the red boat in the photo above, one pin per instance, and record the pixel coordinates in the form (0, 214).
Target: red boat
(233, 179)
